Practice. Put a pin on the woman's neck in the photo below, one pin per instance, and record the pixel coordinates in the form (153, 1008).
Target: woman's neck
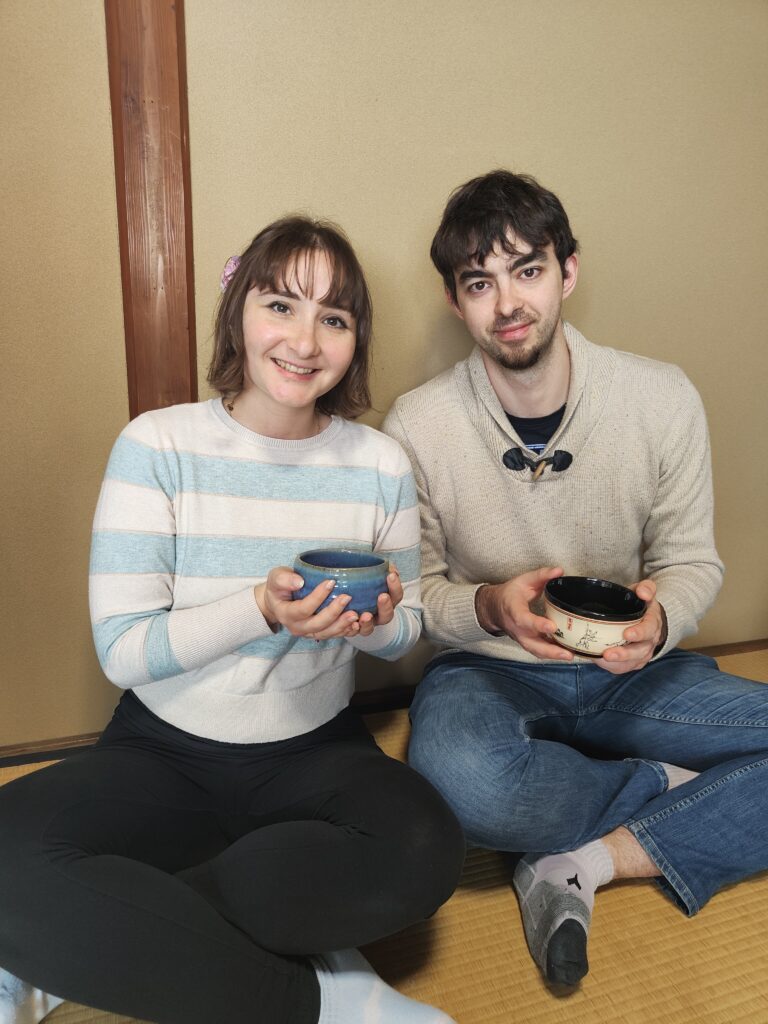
(283, 424)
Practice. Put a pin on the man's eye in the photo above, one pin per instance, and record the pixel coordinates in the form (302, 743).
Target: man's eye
(478, 286)
(279, 307)
(530, 273)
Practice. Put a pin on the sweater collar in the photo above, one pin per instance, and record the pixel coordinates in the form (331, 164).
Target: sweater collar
(592, 369)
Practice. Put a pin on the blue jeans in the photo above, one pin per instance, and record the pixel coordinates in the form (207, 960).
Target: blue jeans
(548, 757)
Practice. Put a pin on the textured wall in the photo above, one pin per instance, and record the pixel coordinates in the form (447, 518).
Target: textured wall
(63, 365)
(647, 119)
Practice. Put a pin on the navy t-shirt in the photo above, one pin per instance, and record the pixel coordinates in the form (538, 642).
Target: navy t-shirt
(535, 431)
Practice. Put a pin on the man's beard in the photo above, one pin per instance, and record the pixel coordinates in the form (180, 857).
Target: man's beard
(526, 356)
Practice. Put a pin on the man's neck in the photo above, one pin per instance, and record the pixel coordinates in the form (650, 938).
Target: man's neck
(538, 391)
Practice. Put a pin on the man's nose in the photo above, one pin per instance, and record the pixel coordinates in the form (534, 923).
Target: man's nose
(508, 299)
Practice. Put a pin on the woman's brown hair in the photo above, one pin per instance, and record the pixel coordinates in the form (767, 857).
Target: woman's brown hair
(267, 264)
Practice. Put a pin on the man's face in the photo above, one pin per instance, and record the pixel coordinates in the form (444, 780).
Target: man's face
(511, 304)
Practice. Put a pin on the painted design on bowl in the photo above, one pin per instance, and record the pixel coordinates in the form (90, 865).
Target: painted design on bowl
(590, 614)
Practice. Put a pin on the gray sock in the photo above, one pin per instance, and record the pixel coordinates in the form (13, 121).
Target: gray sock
(557, 893)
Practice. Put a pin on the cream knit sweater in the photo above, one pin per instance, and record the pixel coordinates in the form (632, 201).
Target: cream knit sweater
(636, 501)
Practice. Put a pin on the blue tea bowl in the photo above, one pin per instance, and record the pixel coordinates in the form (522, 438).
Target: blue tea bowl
(361, 574)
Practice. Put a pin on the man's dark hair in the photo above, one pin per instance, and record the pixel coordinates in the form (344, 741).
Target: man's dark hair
(482, 213)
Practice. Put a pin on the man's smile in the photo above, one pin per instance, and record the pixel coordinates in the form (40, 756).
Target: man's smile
(513, 332)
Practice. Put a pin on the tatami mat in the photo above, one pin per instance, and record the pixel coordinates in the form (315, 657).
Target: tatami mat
(649, 964)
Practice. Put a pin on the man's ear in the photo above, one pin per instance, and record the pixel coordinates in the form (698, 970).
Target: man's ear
(570, 274)
(453, 304)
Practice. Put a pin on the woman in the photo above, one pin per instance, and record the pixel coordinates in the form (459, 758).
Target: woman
(236, 832)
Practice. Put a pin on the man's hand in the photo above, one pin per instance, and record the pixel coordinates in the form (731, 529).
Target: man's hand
(505, 608)
(387, 603)
(642, 639)
(302, 618)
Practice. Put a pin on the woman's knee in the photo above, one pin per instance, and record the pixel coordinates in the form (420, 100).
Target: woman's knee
(420, 847)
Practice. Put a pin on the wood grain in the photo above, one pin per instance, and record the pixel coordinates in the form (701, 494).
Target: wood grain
(148, 92)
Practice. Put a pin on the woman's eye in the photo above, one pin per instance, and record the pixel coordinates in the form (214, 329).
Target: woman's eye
(279, 307)
(336, 321)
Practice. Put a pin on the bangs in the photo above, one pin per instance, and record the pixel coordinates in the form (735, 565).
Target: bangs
(284, 268)
(283, 259)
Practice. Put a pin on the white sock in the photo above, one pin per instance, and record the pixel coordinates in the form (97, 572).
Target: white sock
(352, 993)
(22, 1004)
(557, 893)
(676, 775)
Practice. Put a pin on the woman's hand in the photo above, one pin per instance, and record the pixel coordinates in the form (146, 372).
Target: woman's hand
(386, 605)
(302, 618)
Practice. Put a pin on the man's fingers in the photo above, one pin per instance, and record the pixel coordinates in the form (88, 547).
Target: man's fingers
(537, 579)
(546, 649)
(645, 589)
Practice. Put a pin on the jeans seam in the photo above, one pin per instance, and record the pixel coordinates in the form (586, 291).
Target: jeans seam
(663, 777)
(693, 798)
(676, 882)
(682, 719)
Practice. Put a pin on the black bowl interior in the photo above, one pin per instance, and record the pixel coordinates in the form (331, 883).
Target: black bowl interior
(594, 598)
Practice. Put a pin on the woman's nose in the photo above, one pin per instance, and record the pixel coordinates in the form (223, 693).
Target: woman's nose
(305, 343)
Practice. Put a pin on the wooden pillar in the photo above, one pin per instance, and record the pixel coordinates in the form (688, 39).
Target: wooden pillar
(148, 92)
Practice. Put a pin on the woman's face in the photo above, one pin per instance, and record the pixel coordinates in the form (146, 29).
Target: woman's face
(296, 347)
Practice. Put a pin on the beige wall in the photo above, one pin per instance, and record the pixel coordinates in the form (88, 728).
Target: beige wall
(648, 119)
(63, 366)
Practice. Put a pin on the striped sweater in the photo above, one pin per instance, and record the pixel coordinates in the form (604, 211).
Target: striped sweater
(194, 510)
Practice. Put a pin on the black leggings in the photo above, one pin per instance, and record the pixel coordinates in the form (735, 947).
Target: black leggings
(179, 880)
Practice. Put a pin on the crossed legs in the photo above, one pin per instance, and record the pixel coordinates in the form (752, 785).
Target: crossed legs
(153, 884)
(549, 759)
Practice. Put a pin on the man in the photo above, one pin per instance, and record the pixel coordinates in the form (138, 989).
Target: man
(543, 454)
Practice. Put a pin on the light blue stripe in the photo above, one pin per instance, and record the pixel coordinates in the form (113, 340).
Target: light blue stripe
(124, 552)
(389, 651)
(408, 562)
(136, 463)
(161, 662)
(108, 631)
(127, 553)
(282, 643)
(173, 471)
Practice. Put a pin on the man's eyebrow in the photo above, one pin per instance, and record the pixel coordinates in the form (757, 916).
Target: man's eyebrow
(470, 275)
(534, 256)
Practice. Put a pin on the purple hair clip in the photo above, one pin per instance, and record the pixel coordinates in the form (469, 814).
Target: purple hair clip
(229, 270)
